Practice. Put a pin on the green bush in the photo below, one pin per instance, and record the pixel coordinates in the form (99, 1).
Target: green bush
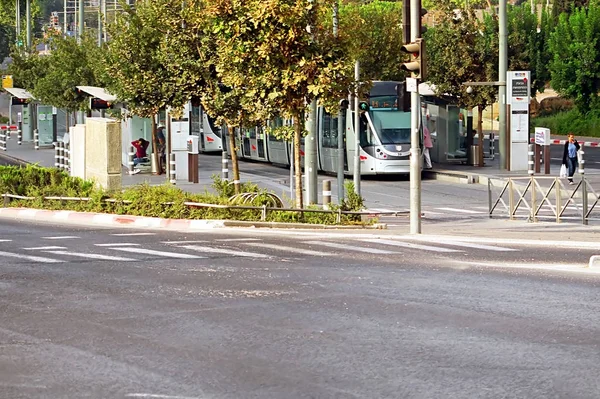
(571, 121)
(164, 201)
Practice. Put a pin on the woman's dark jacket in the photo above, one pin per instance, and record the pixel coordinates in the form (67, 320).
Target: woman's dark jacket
(566, 150)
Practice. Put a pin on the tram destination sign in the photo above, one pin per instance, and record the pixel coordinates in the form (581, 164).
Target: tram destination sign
(520, 88)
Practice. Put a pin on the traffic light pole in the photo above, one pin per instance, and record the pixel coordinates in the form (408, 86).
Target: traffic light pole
(356, 131)
(28, 21)
(502, 67)
(415, 150)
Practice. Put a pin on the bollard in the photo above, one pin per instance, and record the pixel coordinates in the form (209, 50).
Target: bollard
(131, 157)
(172, 171)
(530, 160)
(326, 194)
(492, 146)
(3, 140)
(36, 139)
(19, 136)
(225, 165)
(584, 194)
(61, 155)
(56, 156)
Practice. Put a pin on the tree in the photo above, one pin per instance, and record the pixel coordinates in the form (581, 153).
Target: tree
(373, 35)
(138, 71)
(575, 65)
(53, 78)
(265, 48)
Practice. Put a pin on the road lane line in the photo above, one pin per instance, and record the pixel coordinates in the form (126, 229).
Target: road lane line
(183, 242)
(91, 256)
(60, 237)
(233, 252)
(410, 245)
(40, 259)
(117, 244)
(42, 248)
(238, 239)
(477, 246)
(132, 234)
(294, 250)
(351, 247)
(5, 240)
(145, 251)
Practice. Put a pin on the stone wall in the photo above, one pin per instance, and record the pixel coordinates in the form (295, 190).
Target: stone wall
(103, 152)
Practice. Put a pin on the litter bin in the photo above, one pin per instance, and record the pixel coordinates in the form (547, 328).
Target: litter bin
(474, 157)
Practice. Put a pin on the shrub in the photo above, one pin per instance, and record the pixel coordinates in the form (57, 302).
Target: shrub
(571, 121)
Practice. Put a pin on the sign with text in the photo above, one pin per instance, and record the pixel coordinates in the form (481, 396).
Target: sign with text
(518, 90)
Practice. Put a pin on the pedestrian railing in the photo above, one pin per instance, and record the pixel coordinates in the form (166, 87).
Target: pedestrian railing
(537, 197)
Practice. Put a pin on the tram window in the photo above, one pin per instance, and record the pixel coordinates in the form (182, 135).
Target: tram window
(395, 136)
(366, 135)
(213, 127)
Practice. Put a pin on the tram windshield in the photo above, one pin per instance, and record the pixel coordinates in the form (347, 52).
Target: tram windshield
(392, 127)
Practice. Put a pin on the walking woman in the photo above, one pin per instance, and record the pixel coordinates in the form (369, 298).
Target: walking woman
(570, 155)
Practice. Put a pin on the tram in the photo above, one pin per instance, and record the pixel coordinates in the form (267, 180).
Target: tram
(384, 131)
(210, 134)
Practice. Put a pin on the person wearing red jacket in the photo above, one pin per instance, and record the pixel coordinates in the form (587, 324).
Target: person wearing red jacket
(141, 146)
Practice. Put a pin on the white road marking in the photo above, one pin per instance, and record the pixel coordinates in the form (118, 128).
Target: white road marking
(43, 248)
(31, 258)
(91, 256)
(350, 247)
(5, 240)
(233, 252)
(183, 242)
(117, 244)
(238, 239)
(294, 250)
(145, 251)
(132, 234)
(155, 396)
(477, 246)
(509, 241)
(59, 237)
(459, 210)
(410, 245)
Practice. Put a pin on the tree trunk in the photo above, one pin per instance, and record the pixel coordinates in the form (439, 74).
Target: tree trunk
(480, 130)
(155, 155)
(297, 163)
(234, 159)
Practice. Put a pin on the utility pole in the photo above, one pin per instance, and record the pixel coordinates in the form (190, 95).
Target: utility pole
(18, 18)
(65, 19)
(100, 15)
(356, 131)
(502, 68)
(310, 155)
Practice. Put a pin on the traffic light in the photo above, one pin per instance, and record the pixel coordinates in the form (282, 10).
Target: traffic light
(96, 103)
(416, 65)
(363, 106)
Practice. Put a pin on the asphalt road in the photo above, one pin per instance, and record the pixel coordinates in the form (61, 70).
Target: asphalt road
(100, 313)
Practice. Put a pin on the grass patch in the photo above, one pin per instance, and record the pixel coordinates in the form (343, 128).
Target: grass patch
(571, 121)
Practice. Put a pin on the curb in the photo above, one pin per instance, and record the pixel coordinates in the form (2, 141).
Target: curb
(14, 159)
(144, 222)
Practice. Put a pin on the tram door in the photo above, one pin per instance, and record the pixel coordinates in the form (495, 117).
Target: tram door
(328, 142)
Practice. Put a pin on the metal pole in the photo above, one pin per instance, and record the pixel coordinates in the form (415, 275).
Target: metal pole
(291, 170)
(131, 156)
(172, 171)
(28, 19)
(584, 194)
(81, 22)
(18, 18)
(310, 158)
(36, 139)
(100, 23)
(502, 68)
(340, 124)
(65, 19)
(415, 150)
(340, 167)
(531, 172)
(105, 17)
(356, 131)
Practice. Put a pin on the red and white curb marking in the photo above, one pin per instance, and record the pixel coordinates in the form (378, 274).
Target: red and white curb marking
(585, 143)
(106, 219)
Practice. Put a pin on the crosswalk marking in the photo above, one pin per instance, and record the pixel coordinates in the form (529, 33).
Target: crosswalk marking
(91, 256)
(477, 246)
(409, 245)
(118, 244)
(132, 234)
(42, 248)
(30, 257)
(294, 250)
(238, 239)
(182, 242)
(145, 251)
(350, 247)
(60, 237)
(460, 210)
(5, 240)
(224, 251)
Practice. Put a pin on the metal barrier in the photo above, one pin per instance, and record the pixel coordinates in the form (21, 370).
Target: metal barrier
(224, 166)
(536, 198)
(172, 170)
(3, 138)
